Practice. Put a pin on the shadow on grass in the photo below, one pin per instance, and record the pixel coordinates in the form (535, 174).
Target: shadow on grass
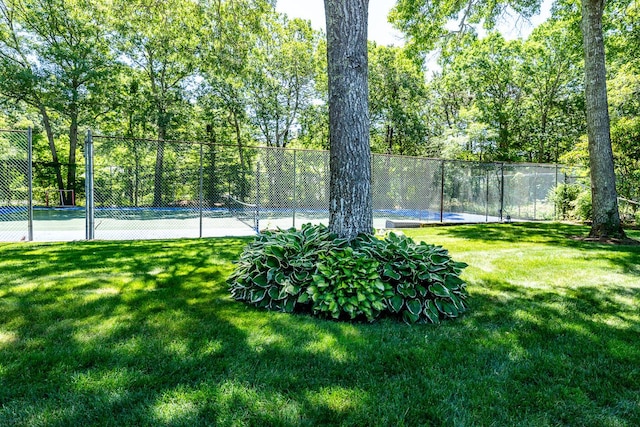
(162, 343)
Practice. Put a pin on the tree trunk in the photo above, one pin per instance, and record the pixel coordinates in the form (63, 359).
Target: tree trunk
(350, 204)
(158, 173)
(52, 146)
(71, 171)
(606, 218)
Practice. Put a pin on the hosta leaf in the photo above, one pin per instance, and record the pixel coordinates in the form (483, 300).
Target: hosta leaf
(278, 251)
(439, 290)
(435, 268)
(409, 317)
(301, 276)
(289, 305)
(447, 308)
(431, 311)
(378, 305)
(280, 278)
(414, 306)
(438, 259)
(407, 290)
(274, 292)
(263, 303)
(452, 281)
(261, 280)
(303, 298)
(292, 289)
(273, 262)
(258, 295)
(459, 265)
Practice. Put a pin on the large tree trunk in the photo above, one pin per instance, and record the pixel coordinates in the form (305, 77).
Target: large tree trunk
(606, 218)
(350, 205)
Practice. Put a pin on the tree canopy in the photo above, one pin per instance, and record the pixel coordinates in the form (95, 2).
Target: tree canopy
(239, 73)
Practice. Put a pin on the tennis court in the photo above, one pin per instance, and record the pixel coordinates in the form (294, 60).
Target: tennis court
(210, 190)
(68, 224)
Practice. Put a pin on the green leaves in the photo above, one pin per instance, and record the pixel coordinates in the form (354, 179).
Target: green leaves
(349, 281)
(311, 270)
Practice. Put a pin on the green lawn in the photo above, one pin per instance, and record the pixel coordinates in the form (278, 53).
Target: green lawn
(144, 333)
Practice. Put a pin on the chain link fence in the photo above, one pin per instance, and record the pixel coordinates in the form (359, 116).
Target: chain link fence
(142, 189)
(16, 213)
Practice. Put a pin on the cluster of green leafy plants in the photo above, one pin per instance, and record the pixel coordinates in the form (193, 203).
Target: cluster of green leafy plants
(572, 201)
(310, 270)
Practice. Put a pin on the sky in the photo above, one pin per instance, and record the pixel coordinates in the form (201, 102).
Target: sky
(381, 31)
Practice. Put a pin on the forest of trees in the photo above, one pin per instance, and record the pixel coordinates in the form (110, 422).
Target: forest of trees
(239, 73)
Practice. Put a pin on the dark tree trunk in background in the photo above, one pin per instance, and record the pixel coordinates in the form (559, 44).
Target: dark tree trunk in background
(606, 217)
(350, 209)
(158, 183)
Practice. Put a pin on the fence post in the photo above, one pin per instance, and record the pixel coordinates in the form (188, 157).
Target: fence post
(442, 192)
(201, 190)
(486, 199)
(89, 206)
(555, 202)
(257, 209)
(30, 183)
(501, 191)
(294, 188)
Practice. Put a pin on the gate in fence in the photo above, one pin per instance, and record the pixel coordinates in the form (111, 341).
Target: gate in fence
(142, 189)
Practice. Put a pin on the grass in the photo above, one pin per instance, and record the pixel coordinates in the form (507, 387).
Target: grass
(144, 333)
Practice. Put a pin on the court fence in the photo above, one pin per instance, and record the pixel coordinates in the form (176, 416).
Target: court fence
(142, 188)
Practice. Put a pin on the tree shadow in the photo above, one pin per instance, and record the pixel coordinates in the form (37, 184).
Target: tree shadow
(170, 347)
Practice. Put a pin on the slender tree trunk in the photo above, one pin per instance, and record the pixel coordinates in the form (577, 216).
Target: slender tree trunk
(158, 173)
(71, 170)
(606, 217)
(350, 202)
(243, 168)
(52, 146)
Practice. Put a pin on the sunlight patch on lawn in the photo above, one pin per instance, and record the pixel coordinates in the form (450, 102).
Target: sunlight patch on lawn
(110, 382)
(337, 399)
(328, 344)
(240, 403)
(98, 328)
(176, 406)
(8, 338)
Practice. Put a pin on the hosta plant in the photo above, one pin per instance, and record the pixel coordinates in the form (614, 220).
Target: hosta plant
(275, 270)
(426, 281)
(311, 270)
(348, 282)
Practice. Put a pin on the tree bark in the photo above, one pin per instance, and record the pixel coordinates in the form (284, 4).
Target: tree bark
(52, 146)
(73, 147)
(158, 183)
(350, 201)
(606, 217)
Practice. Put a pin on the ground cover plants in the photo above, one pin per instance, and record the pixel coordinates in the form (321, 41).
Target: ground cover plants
(146, 333)
(311, 270)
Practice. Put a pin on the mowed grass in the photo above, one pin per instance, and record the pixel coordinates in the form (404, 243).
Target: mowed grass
(145, 333)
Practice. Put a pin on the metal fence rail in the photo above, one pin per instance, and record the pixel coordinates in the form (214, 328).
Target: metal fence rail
(141, 189)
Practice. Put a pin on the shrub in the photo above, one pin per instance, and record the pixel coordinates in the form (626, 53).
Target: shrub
(347, 282)
(583, 209)
(311, 270)
(275, 270)
(563, 196)
(425, 280)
